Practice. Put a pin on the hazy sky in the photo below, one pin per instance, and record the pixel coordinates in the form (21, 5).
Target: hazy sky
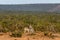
(27, 1)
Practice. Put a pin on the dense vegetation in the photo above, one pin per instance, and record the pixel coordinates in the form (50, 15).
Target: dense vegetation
(11, 21)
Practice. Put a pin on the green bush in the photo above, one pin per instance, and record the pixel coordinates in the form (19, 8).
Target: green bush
(45, 33)
(16, 34)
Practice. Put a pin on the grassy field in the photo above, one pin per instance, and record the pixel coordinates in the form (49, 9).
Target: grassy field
(14, 22)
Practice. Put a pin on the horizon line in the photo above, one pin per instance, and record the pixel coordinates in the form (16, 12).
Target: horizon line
(28, 3)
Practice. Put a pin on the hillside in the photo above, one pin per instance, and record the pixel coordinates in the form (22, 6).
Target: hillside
(32, 7)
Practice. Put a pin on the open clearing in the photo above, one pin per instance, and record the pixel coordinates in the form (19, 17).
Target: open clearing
(38, 36)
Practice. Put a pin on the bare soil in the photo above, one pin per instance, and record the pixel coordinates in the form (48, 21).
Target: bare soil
(37, 36)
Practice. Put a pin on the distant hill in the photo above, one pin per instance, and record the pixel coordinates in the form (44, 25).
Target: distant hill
(32, 7)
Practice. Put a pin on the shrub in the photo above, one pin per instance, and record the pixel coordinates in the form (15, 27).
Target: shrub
(49, 34)
(16, 34)
(45, 33)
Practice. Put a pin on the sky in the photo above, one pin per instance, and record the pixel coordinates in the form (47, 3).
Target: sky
(27, 1)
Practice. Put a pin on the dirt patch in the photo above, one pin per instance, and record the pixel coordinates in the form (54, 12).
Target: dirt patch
(38, 36)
